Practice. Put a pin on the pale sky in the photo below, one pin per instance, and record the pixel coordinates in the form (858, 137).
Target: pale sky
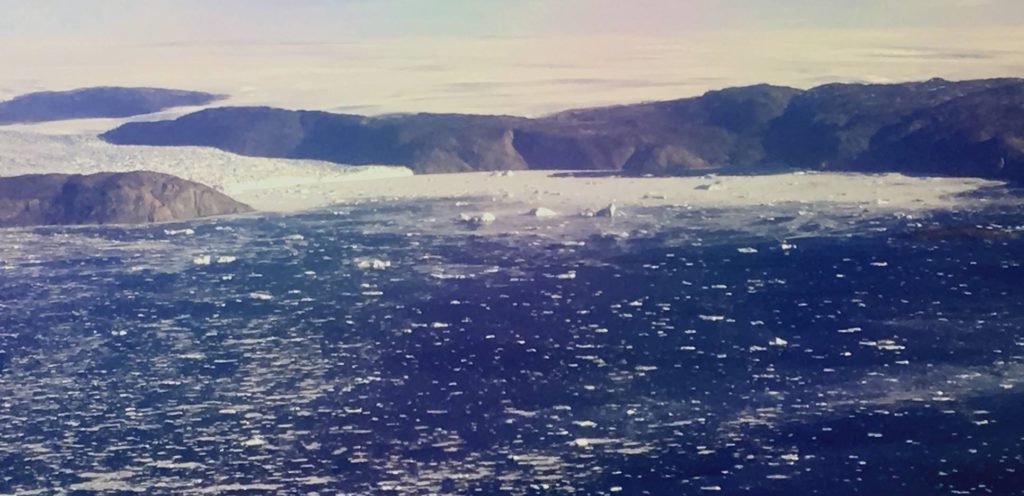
(525, 57)
(322, 20)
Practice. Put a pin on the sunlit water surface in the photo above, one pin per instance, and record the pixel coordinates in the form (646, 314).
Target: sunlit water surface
(383, 347)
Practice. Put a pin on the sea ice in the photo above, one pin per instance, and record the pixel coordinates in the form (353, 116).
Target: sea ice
(542, 212)
(176, 232)
(478, 220)
(372, 263)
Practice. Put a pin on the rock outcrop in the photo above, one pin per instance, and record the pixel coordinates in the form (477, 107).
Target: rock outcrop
(967, 128)
(96, 102)
(108, 198)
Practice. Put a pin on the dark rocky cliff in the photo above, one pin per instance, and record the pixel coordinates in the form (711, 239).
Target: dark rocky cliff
(108, 198)
(968, 128)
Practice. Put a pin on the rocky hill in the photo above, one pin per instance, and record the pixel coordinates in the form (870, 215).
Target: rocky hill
(935, 127)
(107, 198)
(96, 102)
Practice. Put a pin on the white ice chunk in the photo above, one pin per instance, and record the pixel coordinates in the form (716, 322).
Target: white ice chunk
(261, 295)
(478, 220)
(542, 212)
(372, 263)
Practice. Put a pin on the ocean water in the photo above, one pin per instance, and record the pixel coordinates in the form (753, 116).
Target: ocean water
(385, 349)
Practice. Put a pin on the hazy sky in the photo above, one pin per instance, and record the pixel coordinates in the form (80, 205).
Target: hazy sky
(496, 56)
(322, 20)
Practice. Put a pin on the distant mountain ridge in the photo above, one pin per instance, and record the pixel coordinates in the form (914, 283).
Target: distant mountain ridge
(967, 128)
(108, 198)
(102, 101)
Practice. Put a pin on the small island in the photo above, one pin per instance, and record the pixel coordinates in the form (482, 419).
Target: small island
(108, 198)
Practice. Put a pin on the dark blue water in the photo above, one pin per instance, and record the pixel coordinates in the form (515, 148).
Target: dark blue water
(886, 357)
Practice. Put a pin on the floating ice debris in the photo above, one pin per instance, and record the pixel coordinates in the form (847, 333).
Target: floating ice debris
(710, 187)
(889, 345)
(202, 259)
(712, 318)
(610, 211)
(584, 423)
(879, 264)
(253, 442)
(778, 342)
(176, 232)
(521, 413)
(372, 263)
(567, 275)
(542, 212)
(261, 295)
(884, 345)
(849, 330)
(477, 220)
(787, 246)
(226, 259)
(294, 237)
(747, 250)
(586, 442)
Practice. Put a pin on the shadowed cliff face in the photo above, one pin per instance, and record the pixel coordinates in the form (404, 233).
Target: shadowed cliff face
(970, 128)
(96, 102)
(717, 129)
(981, 134)
(835, 124)
(108, 198)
